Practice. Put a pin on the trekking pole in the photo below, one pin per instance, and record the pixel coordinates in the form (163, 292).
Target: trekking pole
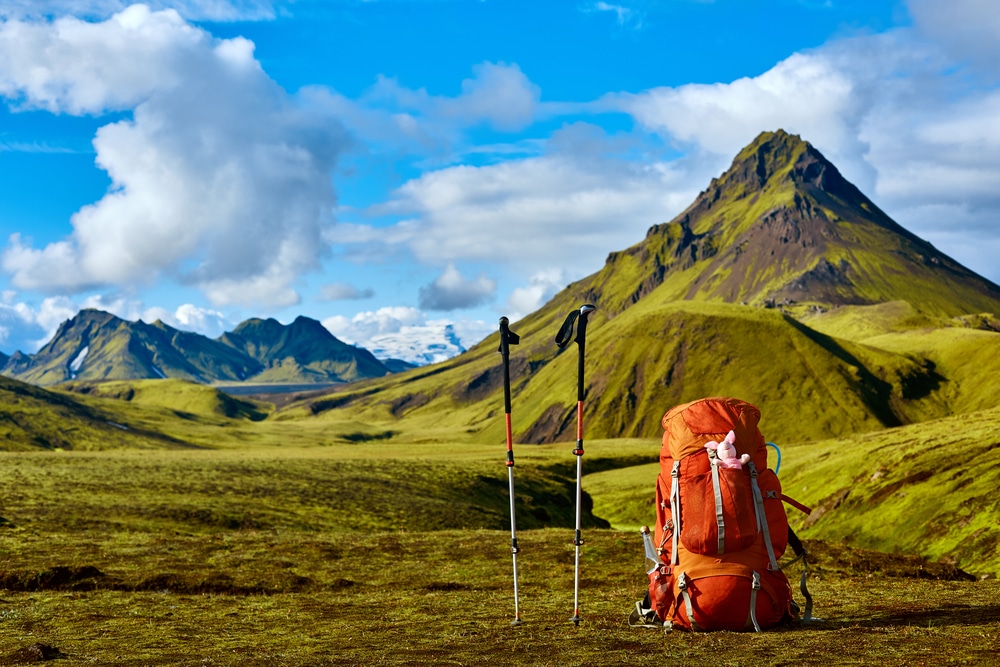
(508, 338)
(563, 339)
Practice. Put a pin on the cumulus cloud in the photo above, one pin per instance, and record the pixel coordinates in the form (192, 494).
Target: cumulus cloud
(195, 10)
(402, 332)
(368, 324)
(824, 96)
(189, 317)
(218, 178)
(541, 287)
(390, 116)
(968, 29)
(562, 211)
(345, 292)
(451, 291)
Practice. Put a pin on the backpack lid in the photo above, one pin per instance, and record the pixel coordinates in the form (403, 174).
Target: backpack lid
(686, 428)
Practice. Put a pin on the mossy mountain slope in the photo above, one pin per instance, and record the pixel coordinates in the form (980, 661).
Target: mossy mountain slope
(302, 351)
(641, 363)
(34, 418)
(95, 345)
(685, 314)
(783, 226)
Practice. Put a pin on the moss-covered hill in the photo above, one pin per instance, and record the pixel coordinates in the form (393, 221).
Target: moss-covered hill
(32, 418)
(770, 287)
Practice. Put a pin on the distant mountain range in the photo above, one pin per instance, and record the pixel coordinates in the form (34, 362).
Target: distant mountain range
(781, 284)
(95, 345)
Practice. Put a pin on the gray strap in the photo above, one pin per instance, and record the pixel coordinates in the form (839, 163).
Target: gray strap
(754, 587)
(720, 521)
(675, 509)
(762, 517)
(682, 584)
(807, 618)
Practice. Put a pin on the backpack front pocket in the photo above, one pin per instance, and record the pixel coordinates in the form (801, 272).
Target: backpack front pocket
(718, 511)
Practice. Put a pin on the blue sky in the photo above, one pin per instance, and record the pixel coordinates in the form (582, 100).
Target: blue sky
(408, 171)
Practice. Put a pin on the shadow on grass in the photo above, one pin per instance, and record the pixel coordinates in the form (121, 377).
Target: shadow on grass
(948, 614)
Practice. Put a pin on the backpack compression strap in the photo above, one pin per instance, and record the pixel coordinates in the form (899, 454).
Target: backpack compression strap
(675, 509)
(800, 552)
(761, 517)
(754, 587)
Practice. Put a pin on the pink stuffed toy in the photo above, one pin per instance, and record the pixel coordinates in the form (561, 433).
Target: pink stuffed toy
(726, 452)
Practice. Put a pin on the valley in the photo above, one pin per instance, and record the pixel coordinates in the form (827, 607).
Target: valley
(146, 514)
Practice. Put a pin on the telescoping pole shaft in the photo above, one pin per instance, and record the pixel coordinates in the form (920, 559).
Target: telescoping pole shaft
(508, 338)
(562, 339)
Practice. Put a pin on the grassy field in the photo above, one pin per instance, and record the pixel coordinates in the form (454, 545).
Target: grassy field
(394, 554)
(301, 598)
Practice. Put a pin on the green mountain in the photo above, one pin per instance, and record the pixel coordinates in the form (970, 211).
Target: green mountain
(782, 227)
(717, 302)
(95, 345)
(303, 351)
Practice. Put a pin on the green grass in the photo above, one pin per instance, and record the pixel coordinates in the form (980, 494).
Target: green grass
(443, 598)
(398, 554)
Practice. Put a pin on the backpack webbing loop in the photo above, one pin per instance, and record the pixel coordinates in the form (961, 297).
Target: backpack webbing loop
(720, 521)
(807, 617)
(754, 587)
(675, 509)
(762, 517)
(682, 584)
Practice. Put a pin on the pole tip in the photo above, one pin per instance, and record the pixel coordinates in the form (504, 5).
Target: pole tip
(516, 621)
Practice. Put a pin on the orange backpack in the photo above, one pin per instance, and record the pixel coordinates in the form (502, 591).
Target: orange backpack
(719, 530)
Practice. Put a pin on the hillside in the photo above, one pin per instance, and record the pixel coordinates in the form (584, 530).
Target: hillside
(783, 227)
(32, 418)
(95, 345)
(720, 301)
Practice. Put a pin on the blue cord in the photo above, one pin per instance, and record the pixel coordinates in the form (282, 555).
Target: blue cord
(777, 449)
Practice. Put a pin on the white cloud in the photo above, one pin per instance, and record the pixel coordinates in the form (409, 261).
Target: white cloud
(345, 292)
(451, 291)
(563, 211)
(189, 317)
(195, 10)
(367, 324)
(26, 328)
(625, 16)
(392, 117)
(218, 178)
(402, 332)
(541, 287)
(968, 29)
(823, 95)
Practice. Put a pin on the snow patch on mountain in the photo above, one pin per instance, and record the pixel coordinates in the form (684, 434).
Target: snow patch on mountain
(77, 363)
(405, 333)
